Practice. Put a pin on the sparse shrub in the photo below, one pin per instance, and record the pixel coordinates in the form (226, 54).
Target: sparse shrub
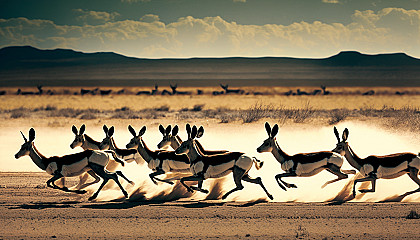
(338, 115)
(50, 108)
(163, 108)
(88, 116)
(301, 115)
(413, 215)
(255, 113)
(198, 107)
(302, 233)
(19, 113)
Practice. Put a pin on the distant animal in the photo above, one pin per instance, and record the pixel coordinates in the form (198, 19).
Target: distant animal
(288, 93)
(199, 92)
(105, 92)
(324, 91)
(235, 91)
(152, 92)
(121, 91)
(2, 92)
(369, 93)
(175, 92)
(400, 93)
(20, 92)
(215, 93)
(72, 165)
(299, 92)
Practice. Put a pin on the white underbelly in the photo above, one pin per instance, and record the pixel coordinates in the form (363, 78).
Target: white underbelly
(303, 169)
(99, 157)
(175, 166)
(384, 172)
(218, 170)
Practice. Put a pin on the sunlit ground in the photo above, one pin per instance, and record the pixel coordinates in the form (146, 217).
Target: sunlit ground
(365, 139)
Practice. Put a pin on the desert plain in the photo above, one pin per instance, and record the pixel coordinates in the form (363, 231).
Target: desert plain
(379, 124)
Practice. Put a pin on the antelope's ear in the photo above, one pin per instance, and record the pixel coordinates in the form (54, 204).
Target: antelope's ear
(31, 134)
(132, 131)
(82, 129)
(268, 128)
(111, 131)
(74, 129)
(142, 131)
(337, 135)
(188, 127)
(168, 129)
(194, 132)
(200, 132)
(175, 130)
(274, 130)
(161, 129)
(345, 134)
(105, 128)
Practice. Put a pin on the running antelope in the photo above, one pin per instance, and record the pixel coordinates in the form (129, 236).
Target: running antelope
(129, 155)
(375, 167)
(216, 166)
(173, 140)
(87, 143)
(72, 165)
(159, 161)
(302, 164)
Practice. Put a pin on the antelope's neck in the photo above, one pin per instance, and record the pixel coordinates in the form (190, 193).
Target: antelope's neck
(37, 157)
(193, 153)
(112, 144)
(280, 156)
(176, 142)
(144, 151)
(89, 143)
(354, 160)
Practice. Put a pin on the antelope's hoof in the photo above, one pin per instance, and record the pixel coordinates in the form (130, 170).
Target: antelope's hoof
(270, 197)
(80, 191)
(204, 191)
(291, 186)
(92, 198)
(170, 182)
(132, 183)
(364, 190)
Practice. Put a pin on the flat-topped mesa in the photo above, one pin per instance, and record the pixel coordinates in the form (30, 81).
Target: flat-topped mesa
(375, 167)
(302, 164)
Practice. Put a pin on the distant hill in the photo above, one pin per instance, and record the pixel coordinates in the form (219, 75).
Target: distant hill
(29, 66)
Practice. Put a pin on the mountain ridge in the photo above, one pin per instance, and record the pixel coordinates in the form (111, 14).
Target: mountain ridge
(23, 66)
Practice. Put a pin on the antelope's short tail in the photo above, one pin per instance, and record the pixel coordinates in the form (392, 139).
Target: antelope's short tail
(116, 158)
(258, 163)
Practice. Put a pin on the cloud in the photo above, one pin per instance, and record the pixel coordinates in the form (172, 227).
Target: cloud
(387, 30)
(94, 17)
(330, 1)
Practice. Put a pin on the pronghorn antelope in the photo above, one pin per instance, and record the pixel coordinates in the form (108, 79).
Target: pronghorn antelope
(302, 164)
(159, 161)
(129, 155)
(173, 140)
(216, 166)
(72, 165)
(87, 143)
(376, 167)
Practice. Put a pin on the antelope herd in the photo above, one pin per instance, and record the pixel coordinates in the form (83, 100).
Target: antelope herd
(193, 163)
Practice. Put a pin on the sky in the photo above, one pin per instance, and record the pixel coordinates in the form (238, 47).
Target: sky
(214, 28)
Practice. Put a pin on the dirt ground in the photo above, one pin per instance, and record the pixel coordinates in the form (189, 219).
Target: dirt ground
(29, 210)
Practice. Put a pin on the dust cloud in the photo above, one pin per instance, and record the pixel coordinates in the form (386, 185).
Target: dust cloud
(364, 138)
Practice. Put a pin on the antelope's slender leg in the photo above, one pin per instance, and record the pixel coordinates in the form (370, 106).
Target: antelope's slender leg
(334, 169)
(85, 176)
(257, 181)
(372, 179)
(238, 173)
(289, 185)
(154, 178)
